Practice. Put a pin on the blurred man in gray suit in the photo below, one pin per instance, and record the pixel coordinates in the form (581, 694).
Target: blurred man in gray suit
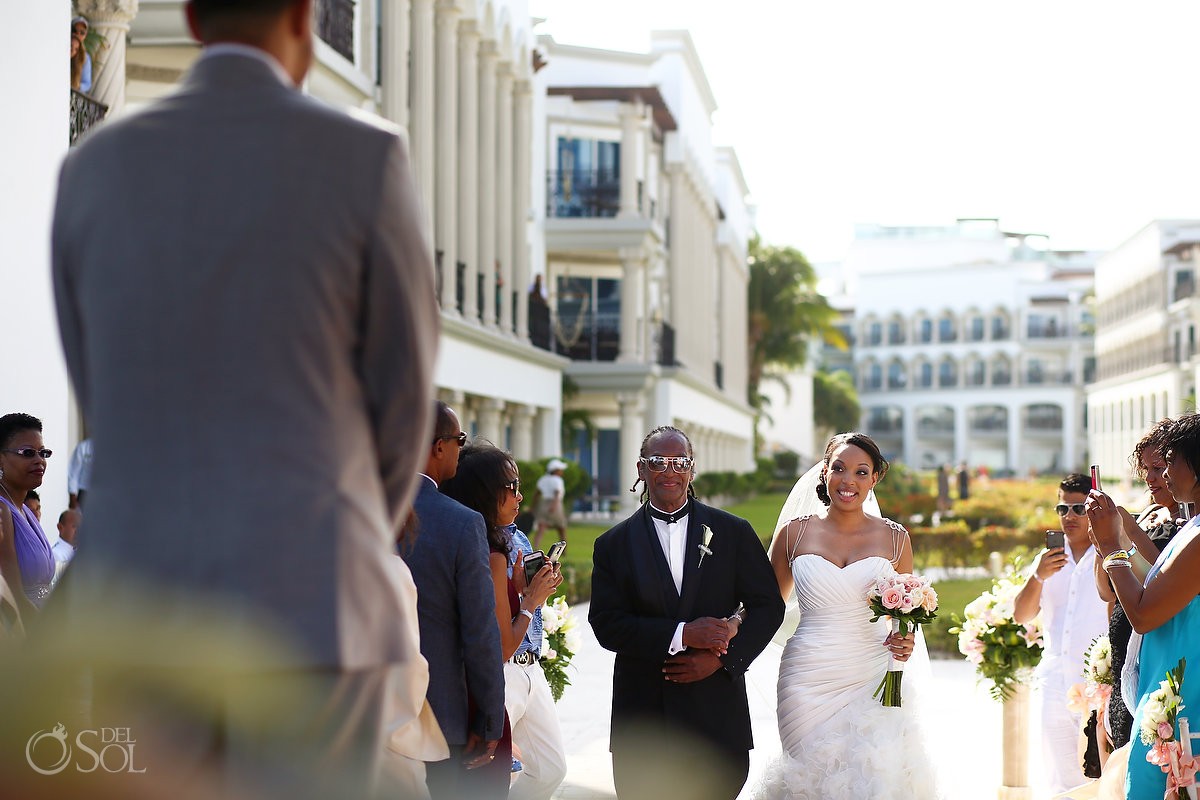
(246, 302)
(457, 605)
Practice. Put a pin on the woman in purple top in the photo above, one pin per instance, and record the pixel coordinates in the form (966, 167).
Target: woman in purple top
(26, 561)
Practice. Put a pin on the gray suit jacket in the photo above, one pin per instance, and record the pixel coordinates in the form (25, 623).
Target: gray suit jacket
(457, 606)
(246, 302)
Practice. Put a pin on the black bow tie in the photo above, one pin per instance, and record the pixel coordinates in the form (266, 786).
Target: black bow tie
(672, 517)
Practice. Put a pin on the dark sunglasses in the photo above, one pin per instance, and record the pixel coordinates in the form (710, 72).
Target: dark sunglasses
(660, 463)
(460, 437)
(30, 452)
(1079, 509)
(514, 486)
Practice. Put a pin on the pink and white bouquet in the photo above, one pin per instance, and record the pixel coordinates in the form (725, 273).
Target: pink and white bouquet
(1158, 733)
(908, 601)
(1097, 686)
(560, 643)
(1003, 651)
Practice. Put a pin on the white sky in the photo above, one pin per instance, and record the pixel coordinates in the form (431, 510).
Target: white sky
(1080, 120)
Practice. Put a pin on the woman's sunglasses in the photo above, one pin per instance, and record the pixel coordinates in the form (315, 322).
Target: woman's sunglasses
(30, 452)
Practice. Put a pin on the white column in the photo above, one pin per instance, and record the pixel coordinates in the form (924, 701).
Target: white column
(631, 120)
(468, 163)
(909, 426)
(394, 32)
(548, 433)
(109, 18)
(505, 207)
(1014, 436)
(522, 431)
(446, 181)
(632, 423)
(490, 409)
(421, 119)
(487, 178)
(633, 261)
(960, 432)
(523, 174)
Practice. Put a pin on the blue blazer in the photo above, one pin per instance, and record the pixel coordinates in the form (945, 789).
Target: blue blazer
(456, 606)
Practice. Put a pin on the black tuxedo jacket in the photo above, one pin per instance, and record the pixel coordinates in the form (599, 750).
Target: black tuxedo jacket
(635, 610)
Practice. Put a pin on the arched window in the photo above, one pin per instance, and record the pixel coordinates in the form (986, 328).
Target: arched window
(897, 376)
(1044, 417)
(947, 330)
(988, 419)
(947, 373)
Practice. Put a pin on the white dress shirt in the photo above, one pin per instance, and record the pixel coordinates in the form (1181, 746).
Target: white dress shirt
(673, 538)
(1074, 615)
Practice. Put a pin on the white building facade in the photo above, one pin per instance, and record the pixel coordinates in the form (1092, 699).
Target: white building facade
(972, 345)
(646, 227)
(1147, 314)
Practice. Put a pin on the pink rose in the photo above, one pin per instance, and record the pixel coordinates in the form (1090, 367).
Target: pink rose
(1165, 731)
(930, 601)
(891, 597)
(906, 606)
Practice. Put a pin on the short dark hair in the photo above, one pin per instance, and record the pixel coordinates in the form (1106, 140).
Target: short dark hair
(1182, 440)
(1076, 483)
(223, 17)
(12, 424)
(1153, 442)
(443, 422)
(879, 464)
(32, 495)
(483, 469)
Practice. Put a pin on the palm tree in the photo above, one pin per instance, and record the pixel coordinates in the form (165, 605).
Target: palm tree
(786, 313)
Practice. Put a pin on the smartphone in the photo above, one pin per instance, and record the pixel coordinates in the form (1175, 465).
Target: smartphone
(556, 551)
(1096, 477)
(533, 562)
(1055, 539)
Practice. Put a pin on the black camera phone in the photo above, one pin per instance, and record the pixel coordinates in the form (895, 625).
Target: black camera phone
(1055, 539)
(533, 562)
(556, 552)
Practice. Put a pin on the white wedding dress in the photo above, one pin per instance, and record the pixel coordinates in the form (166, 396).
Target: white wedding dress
(838, 740)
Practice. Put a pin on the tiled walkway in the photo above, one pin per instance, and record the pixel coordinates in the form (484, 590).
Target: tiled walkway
(966, 725)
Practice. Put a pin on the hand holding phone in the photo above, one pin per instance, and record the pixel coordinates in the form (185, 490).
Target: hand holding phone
(1055, 539)
(1096, 477)
(533, 564)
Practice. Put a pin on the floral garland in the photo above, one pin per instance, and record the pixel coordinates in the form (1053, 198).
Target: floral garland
(1003, 651)
(560, 642)
(1158, 733)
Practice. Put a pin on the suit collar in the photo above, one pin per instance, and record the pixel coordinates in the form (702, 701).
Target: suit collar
(238, 71)
(246, 51)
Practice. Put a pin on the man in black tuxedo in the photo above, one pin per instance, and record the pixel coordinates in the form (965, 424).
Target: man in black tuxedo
(685, 596)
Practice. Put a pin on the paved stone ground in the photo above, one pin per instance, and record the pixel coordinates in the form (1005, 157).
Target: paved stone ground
(966, 728)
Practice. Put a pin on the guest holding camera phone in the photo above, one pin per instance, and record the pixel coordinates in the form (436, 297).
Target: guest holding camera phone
(488, 481)
(1163, 608)
(1062, 587)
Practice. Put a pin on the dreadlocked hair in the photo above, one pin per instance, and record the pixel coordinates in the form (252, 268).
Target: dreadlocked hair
(645, 448)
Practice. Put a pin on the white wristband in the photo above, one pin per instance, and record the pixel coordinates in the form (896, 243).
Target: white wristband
(527, 613)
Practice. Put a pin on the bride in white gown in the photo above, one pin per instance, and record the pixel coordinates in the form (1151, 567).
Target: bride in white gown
(838, 740)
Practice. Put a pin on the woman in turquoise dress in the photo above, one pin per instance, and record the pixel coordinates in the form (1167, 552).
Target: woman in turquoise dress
(1166, 610)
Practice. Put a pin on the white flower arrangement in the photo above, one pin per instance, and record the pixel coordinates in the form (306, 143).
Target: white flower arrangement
(560, 643)
(1002, 650)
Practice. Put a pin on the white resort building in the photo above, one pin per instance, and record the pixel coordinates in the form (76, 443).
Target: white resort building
(972, 344)
(1147, 313)
(645, 231)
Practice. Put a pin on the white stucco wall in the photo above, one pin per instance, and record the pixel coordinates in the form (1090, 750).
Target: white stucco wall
(34, 141)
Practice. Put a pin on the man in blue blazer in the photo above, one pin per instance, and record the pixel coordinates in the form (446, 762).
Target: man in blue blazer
(685, 596)
(456, 606)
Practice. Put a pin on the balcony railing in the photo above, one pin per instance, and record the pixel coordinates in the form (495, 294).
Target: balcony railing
(85, 113)
(588, 337)
(583, 193)
(335, 25)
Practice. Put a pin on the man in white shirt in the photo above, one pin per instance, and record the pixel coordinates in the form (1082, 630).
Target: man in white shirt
(79, 473)
(64, 548)
(1062, 585)
(548, 511)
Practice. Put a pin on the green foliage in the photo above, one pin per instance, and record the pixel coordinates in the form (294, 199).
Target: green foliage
(574, 419)
(787, 464)
(835, 401)
(785, 313)
(903, 495)
(953, 596)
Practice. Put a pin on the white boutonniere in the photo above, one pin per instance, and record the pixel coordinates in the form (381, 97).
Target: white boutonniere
(704, 549)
